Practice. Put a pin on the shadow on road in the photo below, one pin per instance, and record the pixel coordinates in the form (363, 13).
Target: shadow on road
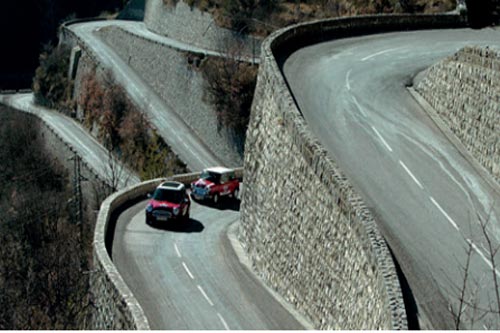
(187, 227)
(224, 204)
(408, 297)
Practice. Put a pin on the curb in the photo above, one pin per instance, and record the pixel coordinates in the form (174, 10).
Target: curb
(232, 235)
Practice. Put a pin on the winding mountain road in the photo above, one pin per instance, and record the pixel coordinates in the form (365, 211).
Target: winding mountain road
(425, 193)
(169, 125)
(188, 278)
(423, 190)
(192, 278)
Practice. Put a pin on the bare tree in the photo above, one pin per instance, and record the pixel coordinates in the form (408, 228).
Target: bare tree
(469, 307)
(230, 87)
(40, 267)
(116, 173)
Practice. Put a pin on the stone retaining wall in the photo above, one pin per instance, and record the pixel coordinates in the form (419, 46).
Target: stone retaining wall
(464, 89)
(194, 27)
(308, 234)
(180, 85)
(115, 305)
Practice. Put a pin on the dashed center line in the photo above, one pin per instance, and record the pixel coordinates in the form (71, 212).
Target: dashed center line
(187, 270)
(444, 213)
(378, 53)
(347, 83)
(411, 174)
(382, 139)
(177, 250)
(223, 321)
(360, 108)
(205, 295)
(486, 260)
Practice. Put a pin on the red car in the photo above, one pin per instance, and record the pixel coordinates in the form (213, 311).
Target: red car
(215, 183)
(169, 203)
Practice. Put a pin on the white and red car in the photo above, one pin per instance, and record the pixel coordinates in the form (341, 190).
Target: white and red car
(169, 203)
(215, 183)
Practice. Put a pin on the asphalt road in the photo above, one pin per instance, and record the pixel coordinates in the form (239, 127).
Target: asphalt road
(88, 148)
(190, 278)
(425, 193)
(194, 277)
(169, 125)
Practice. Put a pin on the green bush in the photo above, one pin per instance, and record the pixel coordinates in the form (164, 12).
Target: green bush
(51, 86)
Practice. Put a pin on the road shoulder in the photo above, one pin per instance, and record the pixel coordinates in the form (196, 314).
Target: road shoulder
(232, 235)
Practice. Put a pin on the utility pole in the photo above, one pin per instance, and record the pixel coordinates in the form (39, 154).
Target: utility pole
(77, 199)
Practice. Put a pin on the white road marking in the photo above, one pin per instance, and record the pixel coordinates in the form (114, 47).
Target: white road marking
(192, 152)
(223, 321)
(382, 139)
(411, 174)
(205, 295)
(347, 83)
(486, 260)
(378, 53)
(177, 250)
(444, 213)
(360, 108)
(187, 270)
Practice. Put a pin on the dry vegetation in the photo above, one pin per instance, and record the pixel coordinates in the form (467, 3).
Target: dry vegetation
(471, 309)
(51, 85)
(43, 255)
(123, 129)
(120, 126)
(263, 16)
(230, 86)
